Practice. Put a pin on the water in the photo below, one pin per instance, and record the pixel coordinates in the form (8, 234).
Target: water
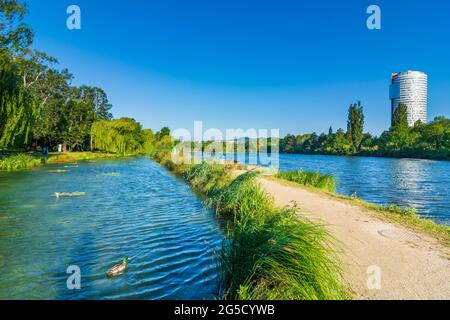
(421, 184)
(138, 209)
(131, 208)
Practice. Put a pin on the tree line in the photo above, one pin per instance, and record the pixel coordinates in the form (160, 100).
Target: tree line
(39, 106)
(430, 140)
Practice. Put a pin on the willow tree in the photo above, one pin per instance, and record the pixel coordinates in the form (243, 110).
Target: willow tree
(17, 108)
(122, 136)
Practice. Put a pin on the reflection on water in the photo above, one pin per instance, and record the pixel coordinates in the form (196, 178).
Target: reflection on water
(140, 211)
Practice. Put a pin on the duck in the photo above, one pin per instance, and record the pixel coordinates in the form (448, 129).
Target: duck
(118, 268)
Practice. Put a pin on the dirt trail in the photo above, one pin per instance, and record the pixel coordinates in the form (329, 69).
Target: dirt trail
(413, 266)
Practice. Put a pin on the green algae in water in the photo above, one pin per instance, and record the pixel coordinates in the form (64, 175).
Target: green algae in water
(57, 171)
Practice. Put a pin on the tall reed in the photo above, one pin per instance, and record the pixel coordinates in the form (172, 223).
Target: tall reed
(19, 161)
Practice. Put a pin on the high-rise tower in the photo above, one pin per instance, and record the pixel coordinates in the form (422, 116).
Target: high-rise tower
(410, 88)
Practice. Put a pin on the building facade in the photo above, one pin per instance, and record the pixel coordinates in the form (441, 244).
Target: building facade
(410, 88)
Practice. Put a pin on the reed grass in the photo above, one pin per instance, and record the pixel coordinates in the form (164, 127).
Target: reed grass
(314, 179)
(243, 198)
(19, 161)
(276, 256)
(207, 178)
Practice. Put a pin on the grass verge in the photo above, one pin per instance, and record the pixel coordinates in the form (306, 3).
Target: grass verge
(314, 179)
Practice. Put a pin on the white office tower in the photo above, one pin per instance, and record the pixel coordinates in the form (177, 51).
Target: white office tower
(411, 89)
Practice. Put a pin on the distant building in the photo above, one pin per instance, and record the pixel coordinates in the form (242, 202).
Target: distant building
(410, 88)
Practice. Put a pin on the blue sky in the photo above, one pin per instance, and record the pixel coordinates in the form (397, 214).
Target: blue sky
(292, 65)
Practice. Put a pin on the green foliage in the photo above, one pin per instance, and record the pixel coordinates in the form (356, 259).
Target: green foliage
(400, 116)
(355, 125)
(430, 140)
(402, 211)
(19, 161)
(242, 198)
(164, 132)
(209, 178)
(313, 179)
(149, 140)
(15, 36)
(123, 136)
(37, 102)
(277, 256)
(16, 106)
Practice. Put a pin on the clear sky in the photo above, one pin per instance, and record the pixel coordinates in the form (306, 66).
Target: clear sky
(292, 65)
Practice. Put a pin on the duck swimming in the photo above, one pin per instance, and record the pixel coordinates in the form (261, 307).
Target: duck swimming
(118, 269)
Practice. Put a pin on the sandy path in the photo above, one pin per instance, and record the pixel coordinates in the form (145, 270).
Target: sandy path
(412, 266)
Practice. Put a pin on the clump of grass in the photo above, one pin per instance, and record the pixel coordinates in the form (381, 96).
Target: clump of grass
(19, 161)
(207, 178)
(279, 257)
(401, 211)
(242, 198)
(314, 179)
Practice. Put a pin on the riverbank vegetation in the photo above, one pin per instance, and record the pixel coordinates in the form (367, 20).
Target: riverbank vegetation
(269, 253)
(430, 141)
(314, 179)
(18, 161)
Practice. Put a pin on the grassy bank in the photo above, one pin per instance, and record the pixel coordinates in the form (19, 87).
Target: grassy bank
(403, 217)
(20, 161)
(73, 157)
(269, 253)
(313, 179)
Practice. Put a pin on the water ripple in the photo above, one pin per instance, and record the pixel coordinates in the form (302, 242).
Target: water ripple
(141, 211)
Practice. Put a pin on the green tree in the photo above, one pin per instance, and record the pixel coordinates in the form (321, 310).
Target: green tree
(355, 125)
(400, 116)
(165, 131)
(15, 36)
(400, 133)
(123, 136)
(437, 133)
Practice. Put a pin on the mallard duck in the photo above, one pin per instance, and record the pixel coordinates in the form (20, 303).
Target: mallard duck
(118, 268)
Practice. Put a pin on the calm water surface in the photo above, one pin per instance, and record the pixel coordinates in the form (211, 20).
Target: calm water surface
(131, 208)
